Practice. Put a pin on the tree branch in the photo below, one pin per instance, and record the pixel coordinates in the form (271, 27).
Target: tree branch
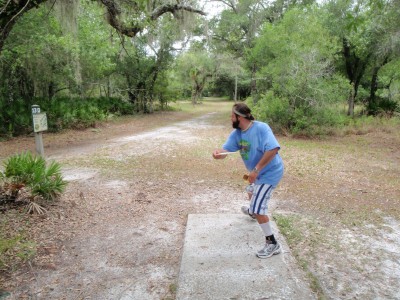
(172, 8)
(4, 7)
(15, 16)
(114, 11)
(229, 4)
(10, 12)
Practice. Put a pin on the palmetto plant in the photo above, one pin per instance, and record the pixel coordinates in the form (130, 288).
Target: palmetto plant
(48, 182)
(31, 173)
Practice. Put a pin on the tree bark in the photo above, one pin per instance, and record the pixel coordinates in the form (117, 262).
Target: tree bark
(374, 87)
(355, 68)
(254, 84)
(114, 11)
(351, 101)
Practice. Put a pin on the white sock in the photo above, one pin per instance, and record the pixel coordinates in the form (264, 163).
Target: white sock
(266, 228)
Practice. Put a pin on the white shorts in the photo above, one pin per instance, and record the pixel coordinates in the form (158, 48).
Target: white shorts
(260, 198)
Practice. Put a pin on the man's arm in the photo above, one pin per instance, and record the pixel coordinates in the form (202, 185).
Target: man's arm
(265, 159)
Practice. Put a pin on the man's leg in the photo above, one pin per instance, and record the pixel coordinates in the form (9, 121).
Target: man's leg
(259, 206)
(245, 209)
(265, 225)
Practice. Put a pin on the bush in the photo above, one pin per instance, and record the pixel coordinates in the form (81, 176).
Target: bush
(14, 117)
(302, 120)
(65, 112)
(31, 171)
(383, 106)
(274, 110)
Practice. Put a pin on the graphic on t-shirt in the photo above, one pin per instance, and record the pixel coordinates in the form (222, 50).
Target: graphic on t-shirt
(244, 149)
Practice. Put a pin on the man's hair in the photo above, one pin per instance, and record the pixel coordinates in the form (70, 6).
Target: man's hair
(241, 109)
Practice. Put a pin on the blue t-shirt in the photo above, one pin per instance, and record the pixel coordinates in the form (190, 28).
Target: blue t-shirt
(253, 143)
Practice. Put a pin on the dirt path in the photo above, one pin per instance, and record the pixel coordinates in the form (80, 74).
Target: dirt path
(117, 233)
(119, 228)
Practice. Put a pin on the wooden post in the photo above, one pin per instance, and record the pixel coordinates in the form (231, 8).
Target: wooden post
(39, 124)
(39, 143)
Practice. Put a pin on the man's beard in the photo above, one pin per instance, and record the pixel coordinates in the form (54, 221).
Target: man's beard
(235, 124)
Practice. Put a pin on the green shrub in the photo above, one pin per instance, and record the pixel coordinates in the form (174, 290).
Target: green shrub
(27, 169)
(62, 113)
(383, 106)
(274, 110)
(299, 120)
(14, 117)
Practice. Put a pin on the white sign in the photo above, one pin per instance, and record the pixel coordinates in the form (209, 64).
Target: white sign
(39, 122)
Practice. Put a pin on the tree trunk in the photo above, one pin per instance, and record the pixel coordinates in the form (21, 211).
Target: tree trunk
(371, 107)
(351, 101)
(195, 94)
(372, 93)
(51, 90)
(132, 96)
(253, 85)
(198, 88)
(355, 68)
(235, 93)
(108, 87)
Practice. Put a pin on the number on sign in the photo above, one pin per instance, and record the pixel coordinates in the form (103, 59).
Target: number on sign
(35, 110)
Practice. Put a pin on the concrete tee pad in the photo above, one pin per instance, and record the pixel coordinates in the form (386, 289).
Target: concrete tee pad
(219, 262)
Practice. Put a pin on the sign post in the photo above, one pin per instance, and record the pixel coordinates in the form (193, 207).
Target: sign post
(39, 125)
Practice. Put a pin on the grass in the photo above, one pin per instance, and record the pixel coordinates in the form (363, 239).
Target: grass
(207, 105)
(346, 184)
(290, 229)
(15, 249)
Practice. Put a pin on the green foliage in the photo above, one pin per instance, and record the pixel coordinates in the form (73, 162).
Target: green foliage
(98, 50)
(143, 69)
(239, 24)
(165, 92)
(301, 120)
(32, 171)
(81, 113)
(296, 56)
(14, 117)
(68, 72)
(195, 69)
(276, 111)
(369, 31)
(37, 58)
(296, 60)
(291, 50)
(62, 113)
(383, 106)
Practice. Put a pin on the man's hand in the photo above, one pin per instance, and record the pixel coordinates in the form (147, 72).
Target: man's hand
(252, 177)
(216, 153)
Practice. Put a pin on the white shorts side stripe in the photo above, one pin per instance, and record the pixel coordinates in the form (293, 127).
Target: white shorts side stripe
(259, 201)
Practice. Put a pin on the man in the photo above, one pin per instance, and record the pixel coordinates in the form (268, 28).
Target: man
(259, 150)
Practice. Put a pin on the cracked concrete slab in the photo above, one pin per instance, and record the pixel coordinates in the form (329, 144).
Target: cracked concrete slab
(219, 262)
